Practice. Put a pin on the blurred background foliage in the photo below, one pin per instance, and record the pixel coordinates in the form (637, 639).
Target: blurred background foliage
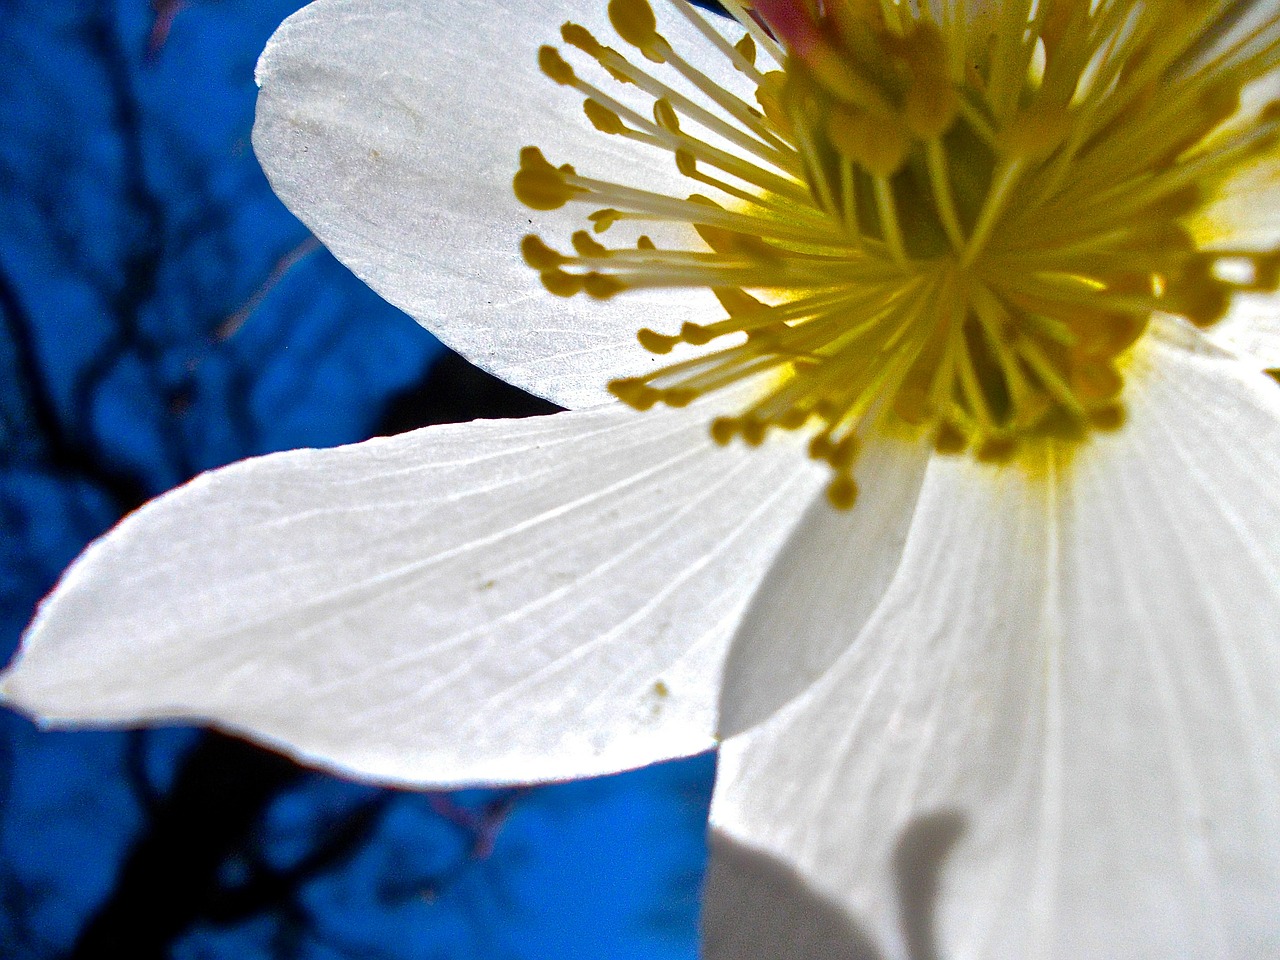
(163, 314)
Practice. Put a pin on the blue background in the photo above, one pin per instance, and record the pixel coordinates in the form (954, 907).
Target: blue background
(163, 314)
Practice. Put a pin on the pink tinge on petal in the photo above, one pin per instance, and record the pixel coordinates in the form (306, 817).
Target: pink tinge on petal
(791, 21)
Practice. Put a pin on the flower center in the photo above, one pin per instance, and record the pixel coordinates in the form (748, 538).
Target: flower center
(958, 223)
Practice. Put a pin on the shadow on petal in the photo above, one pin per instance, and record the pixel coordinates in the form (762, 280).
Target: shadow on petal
(758, 908)
(822, 589)
(917, 865)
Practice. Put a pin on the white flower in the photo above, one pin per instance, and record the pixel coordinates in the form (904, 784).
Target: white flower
(1025, 709)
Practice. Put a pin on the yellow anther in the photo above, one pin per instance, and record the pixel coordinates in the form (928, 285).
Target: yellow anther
(1266, 272)
(843, 452)
(747, 48)
(723, 430)
(792, 419)
(664, 115)
(601, 286)
(1109, 417)
(560, 283)
(587, 246)
(541, 186)
(607, 57)
(655, 342)
(579, 36)
(554, 66)
(538, 255)
(950, 438)
(602, 220)
(827, 410)
(634, 392)
(678, 397)
(752, 430)
(634, 21)
(695, 334)
(842, 492)
(1203, 302)
(820, 446)
(602, 118)
(1197, 294)
(997, 449)
(644, 243)
(636, 24)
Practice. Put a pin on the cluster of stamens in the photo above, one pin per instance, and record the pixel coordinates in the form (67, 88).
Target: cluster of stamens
(954, 224)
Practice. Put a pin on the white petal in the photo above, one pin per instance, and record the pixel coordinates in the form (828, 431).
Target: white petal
(393, 128)
(503, 601)
(1059, 735)
(1251, 330)
(787, 639)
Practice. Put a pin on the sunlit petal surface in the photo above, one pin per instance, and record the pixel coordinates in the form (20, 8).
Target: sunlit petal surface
(496, 602)
(392, 129)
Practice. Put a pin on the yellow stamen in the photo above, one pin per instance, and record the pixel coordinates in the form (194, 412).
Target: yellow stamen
(953, 226)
